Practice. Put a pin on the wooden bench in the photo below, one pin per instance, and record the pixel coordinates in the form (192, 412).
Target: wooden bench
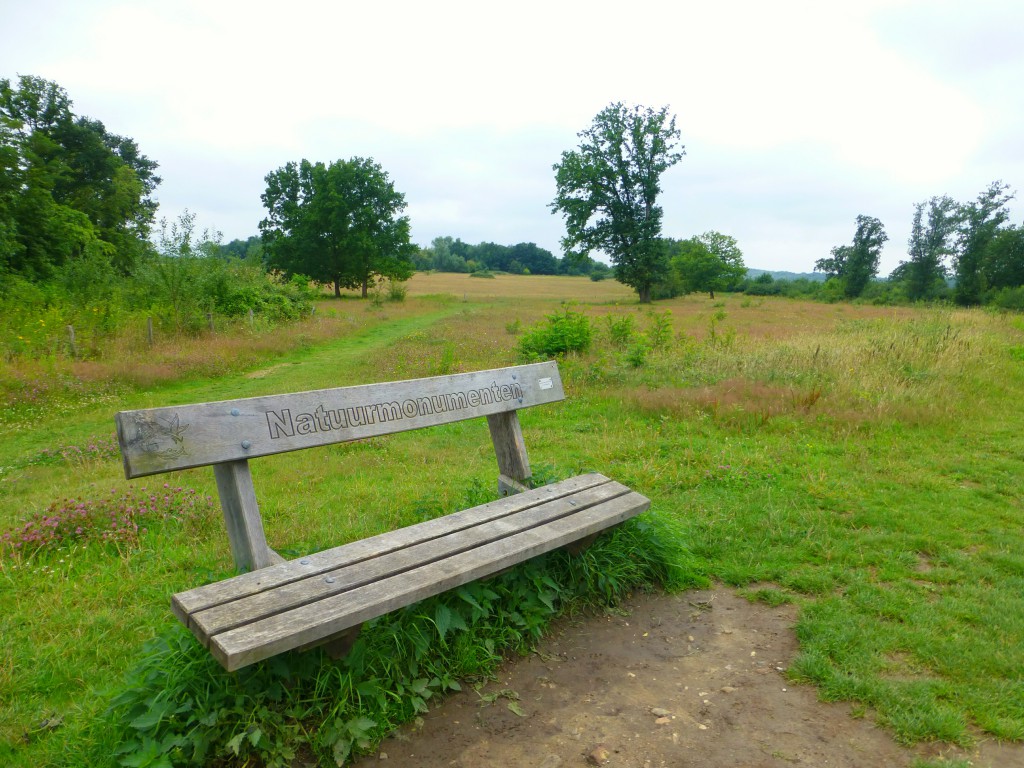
(280, 605)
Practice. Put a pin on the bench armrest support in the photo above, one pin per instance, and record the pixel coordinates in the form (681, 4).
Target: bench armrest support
(242, 517)
(510, 450)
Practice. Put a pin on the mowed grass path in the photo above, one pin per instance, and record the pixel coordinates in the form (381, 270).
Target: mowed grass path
(863, 462)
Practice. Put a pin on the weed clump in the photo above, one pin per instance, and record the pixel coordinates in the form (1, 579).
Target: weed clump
(118, 518)
(564, 332)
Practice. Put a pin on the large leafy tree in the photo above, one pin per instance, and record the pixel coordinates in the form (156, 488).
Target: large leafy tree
(854, 265)
(80, 191)
(340, 224)
(709, 262)
(929, 244)
(607, 191)
(980, 220)
(1003, 265)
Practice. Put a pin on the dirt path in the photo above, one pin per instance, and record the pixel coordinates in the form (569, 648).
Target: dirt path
(683, 680)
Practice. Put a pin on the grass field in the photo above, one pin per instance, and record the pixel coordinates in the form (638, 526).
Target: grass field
(862, 462)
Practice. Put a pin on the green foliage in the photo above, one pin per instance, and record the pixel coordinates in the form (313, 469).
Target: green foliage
(637, 355)
(855, 265)
(69, 189)
(184, 280)
(659, 332)
(339, 223)
(980, 220)
(562, 333)
(1003, 262)
(176, 284)
(709, 262)
(446, 254)
(621, 329)
(928, 247)
(1007, 298)
(607, 191)
(397, 290)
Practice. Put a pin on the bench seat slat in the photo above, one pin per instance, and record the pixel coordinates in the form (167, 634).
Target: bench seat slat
(325, 618)
(226, 616)
(192, 601)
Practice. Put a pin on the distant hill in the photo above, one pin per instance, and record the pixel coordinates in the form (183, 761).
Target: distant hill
(816, 276)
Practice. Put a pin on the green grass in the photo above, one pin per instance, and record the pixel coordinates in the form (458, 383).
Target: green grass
(863, 464)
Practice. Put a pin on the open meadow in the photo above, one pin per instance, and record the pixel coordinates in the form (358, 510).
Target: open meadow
(858, 464)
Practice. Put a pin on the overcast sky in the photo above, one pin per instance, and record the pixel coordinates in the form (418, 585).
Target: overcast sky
(796, 116)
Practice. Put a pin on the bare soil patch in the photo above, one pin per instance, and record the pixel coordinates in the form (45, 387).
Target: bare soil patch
(696, 679)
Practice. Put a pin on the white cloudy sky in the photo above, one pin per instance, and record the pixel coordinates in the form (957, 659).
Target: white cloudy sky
(796, 116)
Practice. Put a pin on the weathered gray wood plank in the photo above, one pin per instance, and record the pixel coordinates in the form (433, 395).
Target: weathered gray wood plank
(200, 598)
(315, 621)
(242, 517)
(510, 450)
(289, 596)
(163, 439)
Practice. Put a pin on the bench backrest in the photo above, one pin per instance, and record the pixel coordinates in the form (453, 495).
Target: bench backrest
(228, 433)
(158, 440)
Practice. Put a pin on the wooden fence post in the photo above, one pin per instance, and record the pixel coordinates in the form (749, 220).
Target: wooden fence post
(209, 320)
(149, 330)
(252, 322)
(71, 340)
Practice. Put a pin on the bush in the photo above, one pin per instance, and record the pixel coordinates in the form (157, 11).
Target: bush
(620, 330)
(397, 290)
(660, 333)
(563, 332)
(1007, 298)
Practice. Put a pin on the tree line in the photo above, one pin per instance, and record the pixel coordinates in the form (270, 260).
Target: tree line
(607, 191)
(964, 252)
(448, 254)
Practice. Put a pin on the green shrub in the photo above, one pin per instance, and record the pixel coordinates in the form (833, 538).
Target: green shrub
(659, 334)
(620, 330)
(561, 333)
(1007, 298)
(637, 355)
(397, 290)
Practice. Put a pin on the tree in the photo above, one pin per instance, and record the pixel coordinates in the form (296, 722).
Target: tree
(979, 222)
(1003, 264)
(855, 265)
(709, 262)
(81, 191)
(607, 191)
(929, 244)
(339, 223)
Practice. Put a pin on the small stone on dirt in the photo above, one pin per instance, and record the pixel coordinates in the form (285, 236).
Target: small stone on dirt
(727, 689)
(663, 721)
(599, 755)
(659, 712)
(551, 761)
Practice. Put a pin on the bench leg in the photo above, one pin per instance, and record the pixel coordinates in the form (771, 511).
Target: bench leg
(510, 450)
(338, 645)
(578, 546)
(242, 517)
